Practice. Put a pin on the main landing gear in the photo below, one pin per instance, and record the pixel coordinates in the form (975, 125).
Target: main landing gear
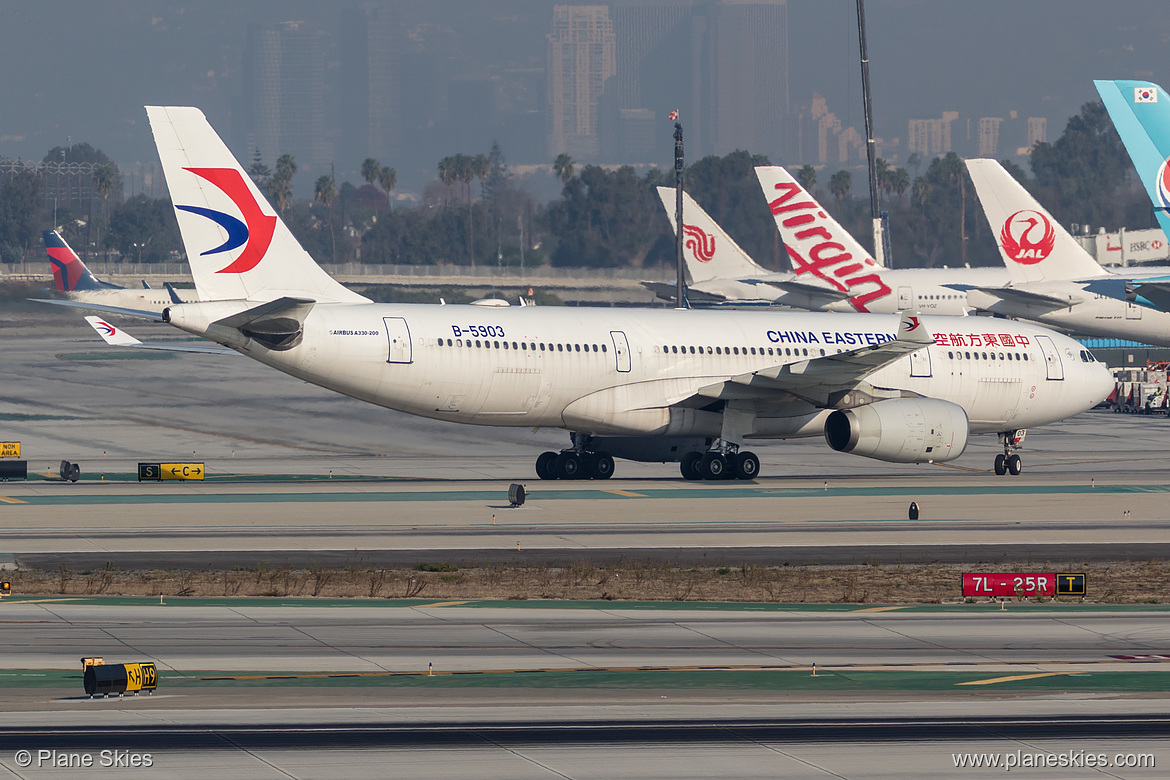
(717, 465)
(1009, 462)
(577, 462)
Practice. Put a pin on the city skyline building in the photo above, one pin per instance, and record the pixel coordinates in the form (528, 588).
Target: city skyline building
(582, 56)
(283, 101)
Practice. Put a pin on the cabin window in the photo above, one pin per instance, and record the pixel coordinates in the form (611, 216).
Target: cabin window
(505, 345)
(560, 347)
(717, 352)
(594, 347)
(951, 355)
(578, 347)
(1025, 356)
(603, 348)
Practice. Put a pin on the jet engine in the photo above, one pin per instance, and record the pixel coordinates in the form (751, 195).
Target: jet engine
(900, 430)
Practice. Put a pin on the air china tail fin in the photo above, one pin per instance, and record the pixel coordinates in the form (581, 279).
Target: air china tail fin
(1141, 113)
(707, 250)
(1034, 246)
(237, 245)
(69, 273)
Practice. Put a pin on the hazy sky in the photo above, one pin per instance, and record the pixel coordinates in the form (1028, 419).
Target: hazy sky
(83, 69)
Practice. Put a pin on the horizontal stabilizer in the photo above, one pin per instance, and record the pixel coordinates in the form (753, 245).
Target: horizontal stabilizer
(115, 336)
(146, 315)
(814, 292)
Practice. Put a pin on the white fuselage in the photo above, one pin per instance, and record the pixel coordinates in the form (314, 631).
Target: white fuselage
(889, 291)
(1092, 314)
(617, 371)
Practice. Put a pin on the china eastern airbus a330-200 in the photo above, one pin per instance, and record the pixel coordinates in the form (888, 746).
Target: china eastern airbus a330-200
(694, 387)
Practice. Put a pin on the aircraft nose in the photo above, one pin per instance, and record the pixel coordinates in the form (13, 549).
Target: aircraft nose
(1101, 382)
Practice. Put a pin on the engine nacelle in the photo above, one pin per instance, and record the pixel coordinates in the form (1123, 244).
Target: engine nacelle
(900, 430)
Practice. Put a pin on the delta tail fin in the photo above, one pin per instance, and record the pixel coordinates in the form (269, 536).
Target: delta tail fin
(707, 249)
(69, 273)
(1034, 246)
(236, 243)
(1141, 113)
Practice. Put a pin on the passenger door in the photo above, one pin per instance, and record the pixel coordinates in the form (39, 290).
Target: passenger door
(398, 334)
(1051, 357)
(621, 351)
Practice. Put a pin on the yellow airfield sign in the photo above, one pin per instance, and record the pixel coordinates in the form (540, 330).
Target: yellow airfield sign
(9, 449)
(161, 471)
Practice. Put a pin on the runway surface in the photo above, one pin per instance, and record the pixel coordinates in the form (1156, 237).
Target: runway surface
(568, 691)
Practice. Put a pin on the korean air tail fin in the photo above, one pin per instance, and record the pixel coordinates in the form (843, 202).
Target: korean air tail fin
(708, 251)
(236, 243)
(69, 273)
(1141, 113)
(1034, 246)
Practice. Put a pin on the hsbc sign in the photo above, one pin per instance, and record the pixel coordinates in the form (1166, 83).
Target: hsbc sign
(1132, 246)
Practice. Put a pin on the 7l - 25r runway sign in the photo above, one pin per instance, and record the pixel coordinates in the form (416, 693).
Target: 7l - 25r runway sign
(1013, 584)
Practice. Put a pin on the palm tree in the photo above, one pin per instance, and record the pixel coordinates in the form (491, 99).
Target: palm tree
(103, 179)
(447, 174)
(286, 168)
(388, 180)
(807, 177)
(325, 190)
(900, 182)
(840, 183)
(371, 169)
(563, 167)
(465, 172)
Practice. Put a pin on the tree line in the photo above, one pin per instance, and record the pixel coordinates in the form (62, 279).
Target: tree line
(478, 213)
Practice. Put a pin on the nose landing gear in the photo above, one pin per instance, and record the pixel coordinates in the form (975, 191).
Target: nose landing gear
(1009, 462)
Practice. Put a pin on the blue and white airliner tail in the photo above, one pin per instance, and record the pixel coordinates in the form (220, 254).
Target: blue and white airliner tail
(1141, 113)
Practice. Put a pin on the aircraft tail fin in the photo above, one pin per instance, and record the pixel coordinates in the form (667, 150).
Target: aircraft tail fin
(1141, 113)
(709, 253)
(69, 273)
(236, 243)
(1034, 246)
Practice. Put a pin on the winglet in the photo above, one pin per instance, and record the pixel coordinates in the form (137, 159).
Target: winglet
(911, 329)
(111, 334)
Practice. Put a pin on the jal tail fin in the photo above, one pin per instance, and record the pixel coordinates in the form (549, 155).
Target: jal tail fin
(708, 251)
(1034, 246)
(236, 243)
(69, 273)
(1141, 113)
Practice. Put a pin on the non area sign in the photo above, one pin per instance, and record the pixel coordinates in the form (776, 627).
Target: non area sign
(161, 471)
(9, 449)
(1023, 584)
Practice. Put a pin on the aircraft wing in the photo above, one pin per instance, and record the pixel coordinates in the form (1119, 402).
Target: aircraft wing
(1152, 293)
(1029, 298)
(117, 337)
(814, 292)
(146, 315)
(820, 380)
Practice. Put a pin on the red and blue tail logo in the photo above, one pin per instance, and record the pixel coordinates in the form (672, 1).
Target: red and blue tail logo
(254, 233)
(69, 273)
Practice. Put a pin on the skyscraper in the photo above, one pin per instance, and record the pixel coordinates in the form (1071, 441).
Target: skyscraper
(582, 52)
(369, 87)
(283, 103)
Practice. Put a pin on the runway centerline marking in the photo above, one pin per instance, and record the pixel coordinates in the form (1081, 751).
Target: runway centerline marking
(1013, 678)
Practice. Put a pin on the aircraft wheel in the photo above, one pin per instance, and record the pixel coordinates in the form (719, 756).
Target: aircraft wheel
(602, 466)
(568, 466)
(1000, 464)
(747, 466)
(544, 465)
(690, 466)
(1014, 465)
(713, 466)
